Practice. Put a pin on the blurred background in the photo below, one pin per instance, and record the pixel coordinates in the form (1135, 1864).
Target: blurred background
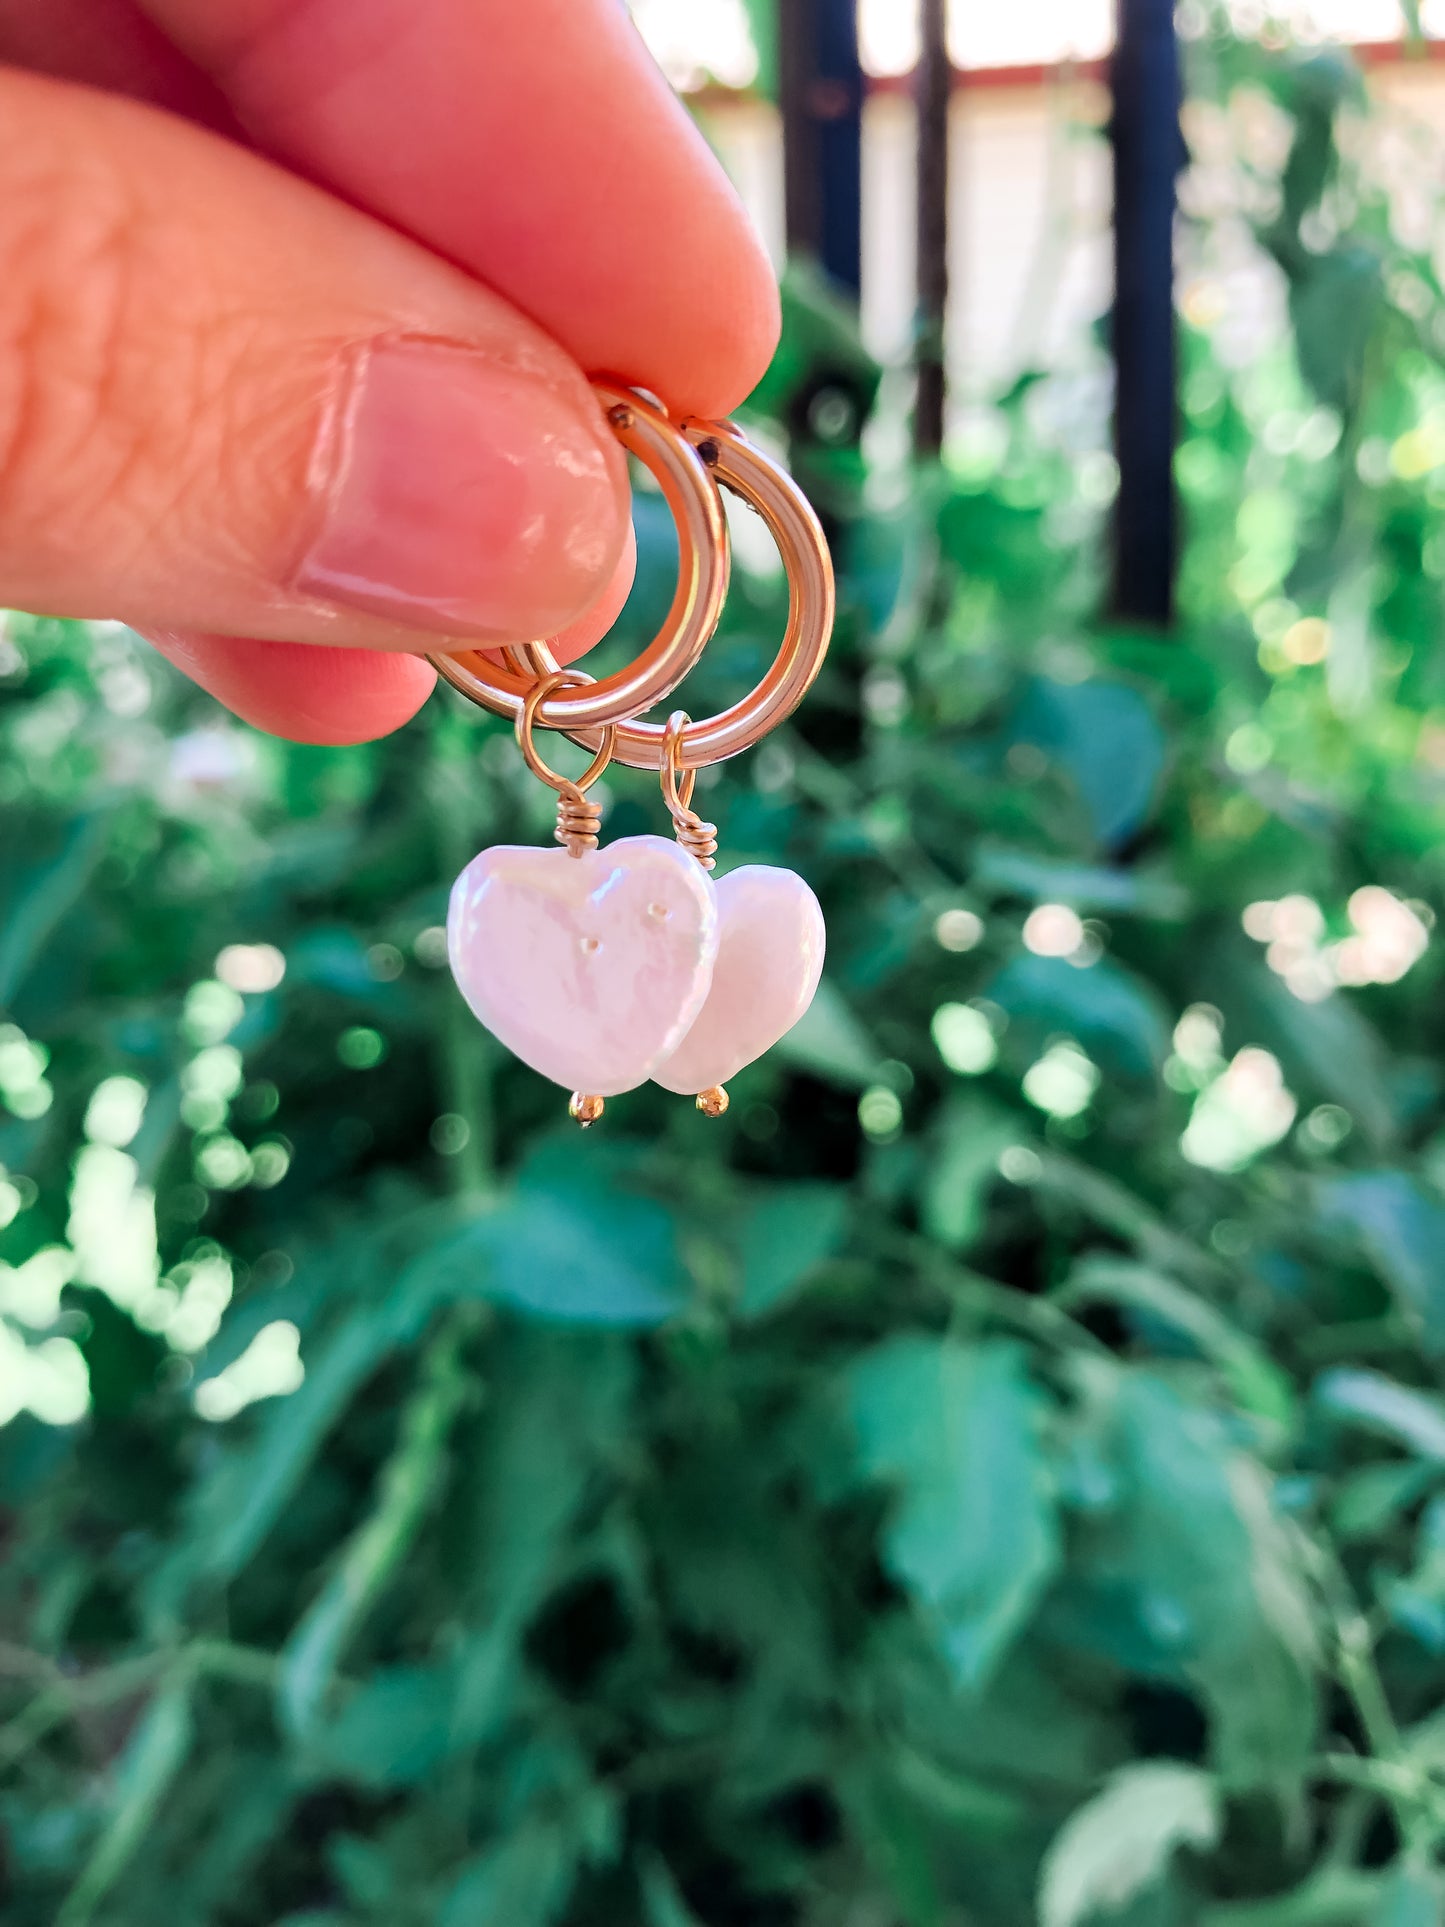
(995, 1475)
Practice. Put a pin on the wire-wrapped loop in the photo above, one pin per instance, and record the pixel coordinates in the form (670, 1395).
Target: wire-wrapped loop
(578, 820)
(699, 839)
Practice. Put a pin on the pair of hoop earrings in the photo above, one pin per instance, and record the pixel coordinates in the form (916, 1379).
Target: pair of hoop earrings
(604, 968)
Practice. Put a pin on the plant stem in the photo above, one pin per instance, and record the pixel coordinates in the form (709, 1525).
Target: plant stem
(461, 1063)
(67, 1697)
(972, 1292)
(1340, 1897)
(64, 1698)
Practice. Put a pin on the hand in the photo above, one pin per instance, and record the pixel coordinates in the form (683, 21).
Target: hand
(251, 409)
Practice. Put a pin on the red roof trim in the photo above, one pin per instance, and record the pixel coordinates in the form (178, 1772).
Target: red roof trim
(1369, 53)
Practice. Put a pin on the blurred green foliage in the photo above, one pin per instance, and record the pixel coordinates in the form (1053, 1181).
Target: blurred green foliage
(996, 1474)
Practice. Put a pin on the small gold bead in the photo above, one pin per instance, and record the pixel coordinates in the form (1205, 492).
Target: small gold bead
(714, 1102)
(585, 1109)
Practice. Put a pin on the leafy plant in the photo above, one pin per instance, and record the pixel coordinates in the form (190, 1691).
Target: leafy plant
(995, 1473)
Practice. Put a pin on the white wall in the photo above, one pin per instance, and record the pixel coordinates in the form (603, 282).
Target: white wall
(1030, 201)
(1029, 247)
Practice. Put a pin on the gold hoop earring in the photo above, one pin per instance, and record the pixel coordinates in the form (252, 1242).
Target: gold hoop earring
(630, 962)
(702, 585)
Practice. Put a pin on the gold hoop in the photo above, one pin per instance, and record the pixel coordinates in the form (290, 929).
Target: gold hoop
(702, 584)
(565, 786)
(739, 465)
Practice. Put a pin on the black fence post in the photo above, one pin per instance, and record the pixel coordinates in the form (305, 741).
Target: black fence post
(1148, 151)
(933, 89)
(820, 85)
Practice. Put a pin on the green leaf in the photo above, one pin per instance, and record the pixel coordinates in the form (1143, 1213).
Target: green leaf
(524, 1882)
(364, 1870)
(763, 29)
(1410, 1418)
(1088, 888)
(1312, 85)
(964, 1170)
(1118, 1018)
(586, 1256)
(154, 1754)
(1402, 1229)
(394, 1730)
(587, 1262)
(1258, 1385)
(256, 1810)
(407, 1487)
(892, 1824)
(820, 334)
(1121, 1843)
(558, 1411)
(1334, 308)
(662, 1903)
(788, 1231)
(1425, 1742)
(831, 1043)
(1372, 1498)
(955, 1430)
(578, 1242)
(234, 1510)
(1105, 736)
(1416, 1602)
(45, 874)
(1414, 1896)
(1327, 1050)
(1198, 1573)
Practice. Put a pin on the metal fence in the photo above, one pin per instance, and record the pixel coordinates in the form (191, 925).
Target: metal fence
(821, 91)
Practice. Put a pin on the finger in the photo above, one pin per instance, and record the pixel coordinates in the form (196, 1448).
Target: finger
(536, 145)
(336, 696)
(579, 636)
(230, 404)
(110, 44)
(305, 694)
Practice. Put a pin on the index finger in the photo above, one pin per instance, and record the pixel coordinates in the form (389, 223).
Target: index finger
(537, 146)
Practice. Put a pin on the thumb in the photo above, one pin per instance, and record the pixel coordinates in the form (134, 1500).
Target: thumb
(230, 404)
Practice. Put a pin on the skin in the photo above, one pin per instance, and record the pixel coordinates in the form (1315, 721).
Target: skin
(210, 213)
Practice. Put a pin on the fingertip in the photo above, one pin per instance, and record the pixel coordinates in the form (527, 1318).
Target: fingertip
(731, 341)
(300, 692)
(589, 629)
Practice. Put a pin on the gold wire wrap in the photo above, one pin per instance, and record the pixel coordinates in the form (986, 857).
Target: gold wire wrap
(578, 818)
(699, 839)
(578, 821)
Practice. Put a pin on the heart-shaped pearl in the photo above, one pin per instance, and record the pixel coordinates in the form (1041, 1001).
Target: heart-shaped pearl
(589, 968)
(770, 957)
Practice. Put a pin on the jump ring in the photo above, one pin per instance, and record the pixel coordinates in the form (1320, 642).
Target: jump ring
(527, 722)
